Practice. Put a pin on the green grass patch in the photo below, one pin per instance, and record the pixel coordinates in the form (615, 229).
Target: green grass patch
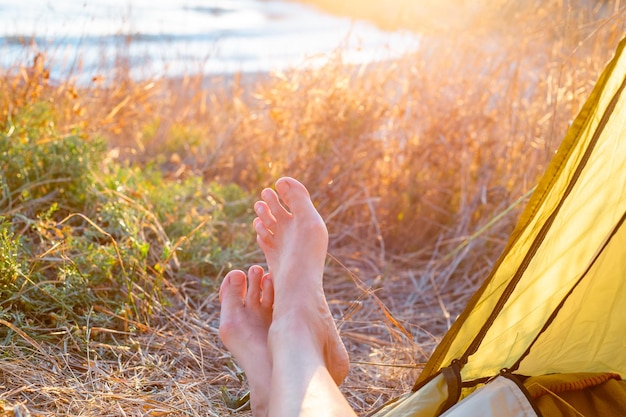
(86, 241)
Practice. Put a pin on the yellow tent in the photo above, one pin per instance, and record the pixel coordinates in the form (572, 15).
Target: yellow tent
(554, 306)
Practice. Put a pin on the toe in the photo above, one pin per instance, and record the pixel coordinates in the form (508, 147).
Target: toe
(271, 198)
(262, 232)
(265, 214)
(268, 292)
(233, 290)
(253, 296)
(232, 293)
(294, 194)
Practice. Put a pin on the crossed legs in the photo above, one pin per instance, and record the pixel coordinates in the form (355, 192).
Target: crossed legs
(278, 326)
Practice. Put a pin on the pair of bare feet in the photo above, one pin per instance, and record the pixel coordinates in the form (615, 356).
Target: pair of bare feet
(277, 324)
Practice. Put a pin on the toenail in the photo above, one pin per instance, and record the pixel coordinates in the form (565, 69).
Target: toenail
(237, 279)
(284, 184)
(266, 282)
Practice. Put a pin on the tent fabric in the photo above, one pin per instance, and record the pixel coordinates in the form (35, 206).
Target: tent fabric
(581, 394)
(554, 302)
(429, 401)
(560, 383)
(500, 397)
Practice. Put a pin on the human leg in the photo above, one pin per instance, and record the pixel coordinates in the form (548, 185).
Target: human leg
(246, 314)
(302, 385)
(309, 360)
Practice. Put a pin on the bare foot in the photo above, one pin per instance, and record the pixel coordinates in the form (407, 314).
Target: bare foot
(295, 241)
(244, 324)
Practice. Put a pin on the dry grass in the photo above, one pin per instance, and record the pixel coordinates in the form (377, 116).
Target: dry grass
(420, 166)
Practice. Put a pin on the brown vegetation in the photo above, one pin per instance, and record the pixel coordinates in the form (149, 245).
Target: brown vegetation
(420, 166)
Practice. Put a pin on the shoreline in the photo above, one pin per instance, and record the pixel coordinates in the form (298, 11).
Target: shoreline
(271, 36)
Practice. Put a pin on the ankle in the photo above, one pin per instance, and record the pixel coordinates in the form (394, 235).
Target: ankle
(287, 325)
(295, 333)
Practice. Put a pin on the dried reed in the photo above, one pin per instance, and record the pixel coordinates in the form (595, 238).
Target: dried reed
(420, 166)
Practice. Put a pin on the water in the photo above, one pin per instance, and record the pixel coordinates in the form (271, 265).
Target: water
(170, 37)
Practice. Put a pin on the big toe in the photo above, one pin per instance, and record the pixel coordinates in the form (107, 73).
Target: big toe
(295, 195)
(232, 298)
(233, 291)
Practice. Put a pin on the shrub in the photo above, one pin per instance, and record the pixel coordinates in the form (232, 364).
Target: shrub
(84, 240)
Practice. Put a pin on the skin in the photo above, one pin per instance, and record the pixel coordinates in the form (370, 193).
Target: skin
(295, 243)
(306, 357)
(244, 325)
